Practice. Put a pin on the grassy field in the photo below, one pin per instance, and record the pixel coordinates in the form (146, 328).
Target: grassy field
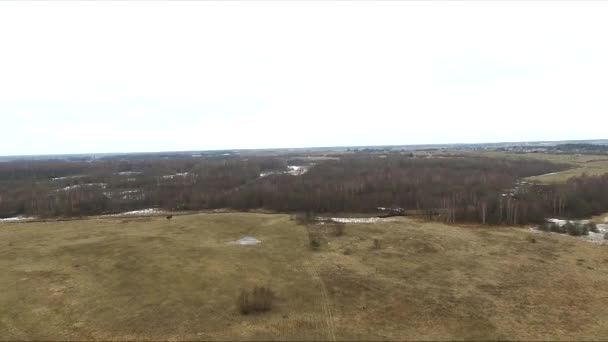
(589, 164)
(155, 279)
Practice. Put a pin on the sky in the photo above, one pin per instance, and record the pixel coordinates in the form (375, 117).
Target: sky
(92, 77)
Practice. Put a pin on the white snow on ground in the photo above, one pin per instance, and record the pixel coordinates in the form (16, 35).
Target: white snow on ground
(16, 219)
(247, 240)
(268, 173)
(127, 195)
(557, 221)
(393, 209)
(597, 237)
(561, 223)
(356, 219)
(592, 237)
(297, 170)
(291, 170)
(175, 175)
(67, 177)
(547, 174)
(129, 173)
(72, 187)
(150, 211)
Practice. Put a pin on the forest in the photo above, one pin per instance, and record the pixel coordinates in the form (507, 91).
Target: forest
(447, 188)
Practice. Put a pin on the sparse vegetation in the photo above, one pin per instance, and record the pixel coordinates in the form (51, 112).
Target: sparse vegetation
(314, 241)
(338, 229)
(377, 244)
(500, 285)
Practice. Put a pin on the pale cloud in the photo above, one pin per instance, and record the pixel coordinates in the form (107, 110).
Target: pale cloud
(147, 76)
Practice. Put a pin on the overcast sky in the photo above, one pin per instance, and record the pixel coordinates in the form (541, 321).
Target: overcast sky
(81, 77)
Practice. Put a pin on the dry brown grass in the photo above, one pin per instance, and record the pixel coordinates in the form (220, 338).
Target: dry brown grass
(99, 279)
(338, 229)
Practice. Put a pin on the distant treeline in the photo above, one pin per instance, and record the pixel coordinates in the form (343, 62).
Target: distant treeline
(582, 148)
(451, 189)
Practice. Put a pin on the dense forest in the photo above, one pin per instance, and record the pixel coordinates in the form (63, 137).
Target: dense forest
(448, 188)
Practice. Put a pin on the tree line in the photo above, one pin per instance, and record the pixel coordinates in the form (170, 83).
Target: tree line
(447, 188)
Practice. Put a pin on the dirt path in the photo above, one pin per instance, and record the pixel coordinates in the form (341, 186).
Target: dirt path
(313, 270)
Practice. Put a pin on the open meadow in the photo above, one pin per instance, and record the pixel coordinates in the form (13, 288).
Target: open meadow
(149, 278)
(591, 165)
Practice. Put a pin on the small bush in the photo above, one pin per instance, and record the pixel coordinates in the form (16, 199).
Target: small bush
(605, 236)
(377, 244)
(243, 302)
(259, 299)
(348, 251)
(532, 239)
(314, 241)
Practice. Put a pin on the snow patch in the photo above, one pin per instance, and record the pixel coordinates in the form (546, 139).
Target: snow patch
(142, 212)
(559, 222)
(591, 237)
(245, 241)
(184, 174)
(357, 219)
(130, 173)
(67, 177)
(293, 170)
(297, 170)
(73, 187)
(17, 219)
(547, 174)
(392, 209)
(562, 223)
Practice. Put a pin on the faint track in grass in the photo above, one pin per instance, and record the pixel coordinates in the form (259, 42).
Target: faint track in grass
(313, 270)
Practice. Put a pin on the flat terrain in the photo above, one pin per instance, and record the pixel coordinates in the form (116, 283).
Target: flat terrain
(589, 164)
(155, 279)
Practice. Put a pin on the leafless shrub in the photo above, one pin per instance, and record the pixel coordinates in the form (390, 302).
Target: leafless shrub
(259, 299)
(314, 241)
